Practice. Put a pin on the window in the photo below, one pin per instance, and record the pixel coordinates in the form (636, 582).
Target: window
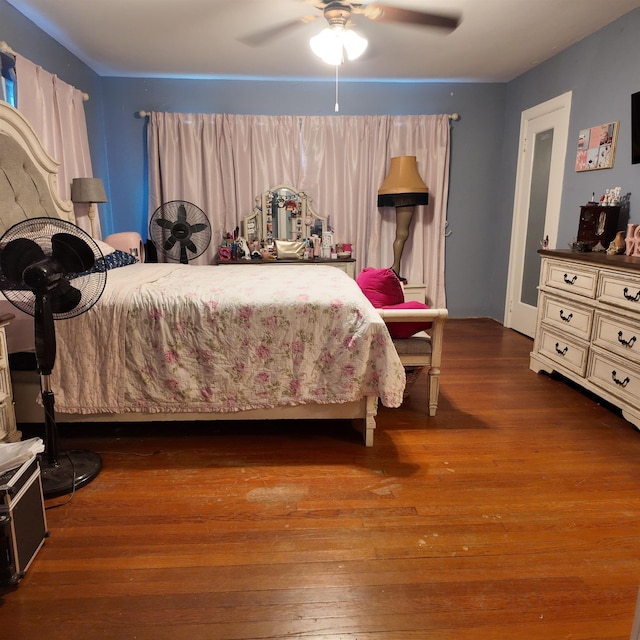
(8, 79)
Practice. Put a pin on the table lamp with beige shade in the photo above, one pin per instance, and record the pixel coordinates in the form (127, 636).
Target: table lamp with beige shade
(88, 191)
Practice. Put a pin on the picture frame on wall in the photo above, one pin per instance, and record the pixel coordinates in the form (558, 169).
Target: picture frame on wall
(597, 147)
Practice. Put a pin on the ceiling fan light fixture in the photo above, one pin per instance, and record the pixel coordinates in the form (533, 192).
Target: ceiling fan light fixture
(332, 43)
(354, 44)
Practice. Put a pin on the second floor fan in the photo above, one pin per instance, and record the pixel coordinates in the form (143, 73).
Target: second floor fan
(53, 270)
(180, 230)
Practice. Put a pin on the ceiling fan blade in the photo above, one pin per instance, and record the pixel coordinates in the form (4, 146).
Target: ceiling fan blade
(64, 298)
(17, 256)
(72, 252)
(384, 13)
(264, 36)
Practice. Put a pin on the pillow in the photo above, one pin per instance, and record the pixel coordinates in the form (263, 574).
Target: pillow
(407, 329)
(115, 259)
(380, 286)
(112, 260)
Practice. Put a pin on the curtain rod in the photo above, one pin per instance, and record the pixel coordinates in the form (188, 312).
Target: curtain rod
(144, 114)
(5, 48)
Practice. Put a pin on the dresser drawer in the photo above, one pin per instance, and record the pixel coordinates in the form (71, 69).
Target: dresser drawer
(567, 352)
(575, 278)
(617, 334)
(620, 290)
(8, 432)
(415, 292)
(616, 376)
(568, 316)
(6, 419)
(5, 382)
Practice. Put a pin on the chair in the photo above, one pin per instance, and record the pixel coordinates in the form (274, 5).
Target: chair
(418, 339)
(424, 349)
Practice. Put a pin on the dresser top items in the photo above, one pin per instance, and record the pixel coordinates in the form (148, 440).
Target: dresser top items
(284, 226)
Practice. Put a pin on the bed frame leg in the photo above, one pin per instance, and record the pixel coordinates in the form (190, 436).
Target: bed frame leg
(434, 390)
(370, 420)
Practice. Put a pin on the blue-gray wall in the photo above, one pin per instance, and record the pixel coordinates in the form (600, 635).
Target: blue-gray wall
(601, 71)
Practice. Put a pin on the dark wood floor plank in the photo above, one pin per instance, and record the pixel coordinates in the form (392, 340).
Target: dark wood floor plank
(512, 513)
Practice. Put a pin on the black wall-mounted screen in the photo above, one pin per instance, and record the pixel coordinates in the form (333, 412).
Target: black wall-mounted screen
(635, 128)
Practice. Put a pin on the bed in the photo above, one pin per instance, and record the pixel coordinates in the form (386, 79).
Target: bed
(181, 342)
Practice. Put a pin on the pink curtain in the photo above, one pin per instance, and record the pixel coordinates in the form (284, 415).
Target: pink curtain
(346, 161)
(222, 162)
(55, 110)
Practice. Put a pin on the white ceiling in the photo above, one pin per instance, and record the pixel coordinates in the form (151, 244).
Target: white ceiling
(497, 40)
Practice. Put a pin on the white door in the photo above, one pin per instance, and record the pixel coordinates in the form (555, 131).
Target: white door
(542, 150)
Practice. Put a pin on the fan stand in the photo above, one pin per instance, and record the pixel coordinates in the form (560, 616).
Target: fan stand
(70, 470)
(63, 472)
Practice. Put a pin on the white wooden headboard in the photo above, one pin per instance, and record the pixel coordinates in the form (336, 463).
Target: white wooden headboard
(28, 174)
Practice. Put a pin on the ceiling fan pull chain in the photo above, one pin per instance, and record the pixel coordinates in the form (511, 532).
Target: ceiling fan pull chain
(336, 108)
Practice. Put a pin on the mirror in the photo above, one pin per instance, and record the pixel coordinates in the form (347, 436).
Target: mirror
(283, 213)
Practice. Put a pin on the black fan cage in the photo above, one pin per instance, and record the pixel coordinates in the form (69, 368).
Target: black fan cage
(90, 283)
(176, 224)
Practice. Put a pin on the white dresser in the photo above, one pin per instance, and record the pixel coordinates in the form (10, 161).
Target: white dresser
(8, 431)
(588, 326)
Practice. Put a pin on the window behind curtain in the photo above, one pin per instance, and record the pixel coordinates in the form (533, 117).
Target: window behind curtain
(8, 79)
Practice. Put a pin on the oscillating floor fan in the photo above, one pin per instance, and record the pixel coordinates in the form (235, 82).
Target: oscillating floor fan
(180, 230)
(53, 270)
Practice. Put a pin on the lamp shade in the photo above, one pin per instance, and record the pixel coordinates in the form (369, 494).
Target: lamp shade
(403, 186)
(87, 190)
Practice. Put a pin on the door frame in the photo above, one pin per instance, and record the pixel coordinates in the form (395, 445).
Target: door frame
(562, 105)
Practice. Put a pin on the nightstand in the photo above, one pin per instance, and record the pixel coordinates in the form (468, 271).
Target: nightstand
(415, 292)
(8, 430)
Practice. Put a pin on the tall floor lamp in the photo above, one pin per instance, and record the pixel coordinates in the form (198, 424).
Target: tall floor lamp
(404, 189)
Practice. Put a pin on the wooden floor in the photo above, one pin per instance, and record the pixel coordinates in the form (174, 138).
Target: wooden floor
(512, 514)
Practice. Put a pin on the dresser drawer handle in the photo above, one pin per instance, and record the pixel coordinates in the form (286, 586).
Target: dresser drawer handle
(561, 352)
(565, 318)
(630, 297)
(569, 280)
(620, 383)
(626, 343)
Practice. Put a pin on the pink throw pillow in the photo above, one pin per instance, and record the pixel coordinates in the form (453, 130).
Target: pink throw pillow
(381, 286)
(407, 329)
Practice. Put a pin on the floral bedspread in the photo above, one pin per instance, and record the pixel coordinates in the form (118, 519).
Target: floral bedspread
(176, 338)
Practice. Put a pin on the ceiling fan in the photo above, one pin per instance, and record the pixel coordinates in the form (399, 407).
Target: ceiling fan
(338, 14)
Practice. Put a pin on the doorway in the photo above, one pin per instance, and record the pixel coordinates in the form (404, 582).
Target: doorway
(544, 131)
